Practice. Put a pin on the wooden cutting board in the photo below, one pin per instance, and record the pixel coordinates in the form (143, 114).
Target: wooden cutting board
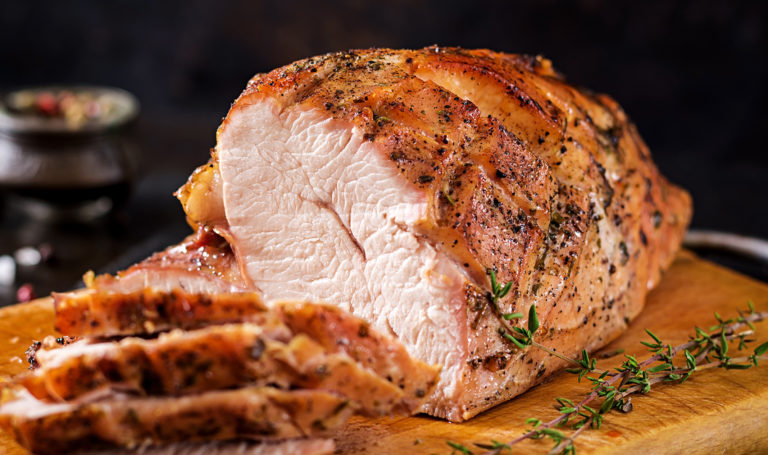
(716, 411)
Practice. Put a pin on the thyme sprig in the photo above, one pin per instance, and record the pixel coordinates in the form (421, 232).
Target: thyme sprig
(711, 348)
(522, 337)
(498, 291)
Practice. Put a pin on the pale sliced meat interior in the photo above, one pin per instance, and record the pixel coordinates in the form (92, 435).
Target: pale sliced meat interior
(324, 235)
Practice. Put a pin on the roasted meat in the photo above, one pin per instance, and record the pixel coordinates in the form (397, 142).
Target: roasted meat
(219, 357)
(260, 413)
(107, 313)
(202, 263)
(293, 371)
(391, 183)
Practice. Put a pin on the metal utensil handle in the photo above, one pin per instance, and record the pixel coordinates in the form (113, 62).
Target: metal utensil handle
(739, 244)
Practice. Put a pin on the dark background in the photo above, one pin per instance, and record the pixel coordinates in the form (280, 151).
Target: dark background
(692, 75)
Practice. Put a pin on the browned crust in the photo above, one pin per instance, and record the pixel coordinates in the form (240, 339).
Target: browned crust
(439, 140)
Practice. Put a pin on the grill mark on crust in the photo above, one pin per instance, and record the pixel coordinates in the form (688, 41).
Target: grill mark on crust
(482, 63)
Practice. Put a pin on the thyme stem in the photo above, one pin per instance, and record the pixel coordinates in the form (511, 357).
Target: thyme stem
(497, 293)
(560, 356)
(638, 378)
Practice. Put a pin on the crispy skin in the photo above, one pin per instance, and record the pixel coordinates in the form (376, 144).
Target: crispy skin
(251, 413)
(219, 357)
(204, 186)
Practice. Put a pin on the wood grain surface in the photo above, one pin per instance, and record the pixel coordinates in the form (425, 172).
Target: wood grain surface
(716, 411)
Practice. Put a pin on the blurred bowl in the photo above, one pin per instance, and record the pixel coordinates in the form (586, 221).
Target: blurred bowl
(64, 151)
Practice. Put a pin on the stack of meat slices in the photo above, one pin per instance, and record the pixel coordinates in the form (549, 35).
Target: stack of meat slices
(162, 367)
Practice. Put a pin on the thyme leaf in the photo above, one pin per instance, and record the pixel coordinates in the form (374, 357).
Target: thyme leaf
(533, 319)
(461, 448)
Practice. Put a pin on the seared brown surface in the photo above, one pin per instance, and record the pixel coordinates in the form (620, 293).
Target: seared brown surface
(506, 127)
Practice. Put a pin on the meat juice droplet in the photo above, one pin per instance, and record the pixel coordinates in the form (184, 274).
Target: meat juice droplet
(613, 433)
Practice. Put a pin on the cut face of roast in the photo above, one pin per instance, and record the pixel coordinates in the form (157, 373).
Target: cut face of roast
(316, 210)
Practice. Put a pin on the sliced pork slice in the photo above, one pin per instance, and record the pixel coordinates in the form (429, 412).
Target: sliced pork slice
(94, 312)
(251, 413)
(376, 395)
(337, 331)
(220, 357)
(288, 447)
(390, 182)
(49, 343)
(203, 262)
(176, 363)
